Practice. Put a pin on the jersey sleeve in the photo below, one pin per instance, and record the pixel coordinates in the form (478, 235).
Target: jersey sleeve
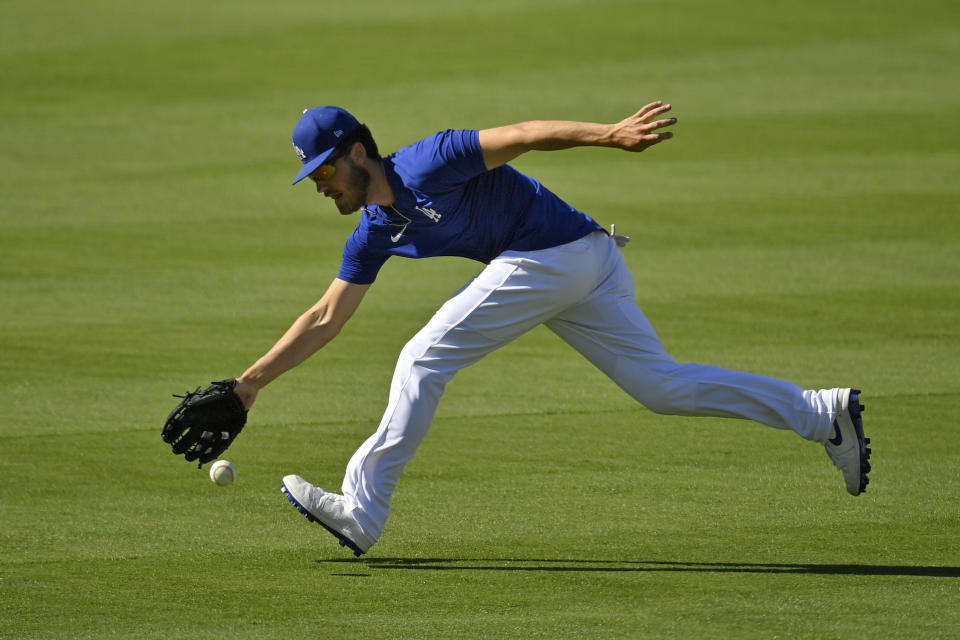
(360, 263)
(443, 161)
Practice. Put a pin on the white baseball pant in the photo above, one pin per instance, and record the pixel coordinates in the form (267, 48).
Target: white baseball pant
(583, 292)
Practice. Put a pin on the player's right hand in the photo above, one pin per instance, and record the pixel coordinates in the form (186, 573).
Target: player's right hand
(639, 131)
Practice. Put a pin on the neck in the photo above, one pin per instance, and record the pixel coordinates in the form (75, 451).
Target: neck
(379, 192)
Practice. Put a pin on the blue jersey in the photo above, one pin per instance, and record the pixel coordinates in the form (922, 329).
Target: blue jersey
(446, 203)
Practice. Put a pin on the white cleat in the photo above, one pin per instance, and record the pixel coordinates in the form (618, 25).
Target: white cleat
(329, 510)
(847, 447)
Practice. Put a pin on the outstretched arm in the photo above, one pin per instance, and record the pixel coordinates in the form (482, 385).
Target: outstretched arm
(635, 133)
(315, 328)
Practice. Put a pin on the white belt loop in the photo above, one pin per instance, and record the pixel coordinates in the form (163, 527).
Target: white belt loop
(620, 240)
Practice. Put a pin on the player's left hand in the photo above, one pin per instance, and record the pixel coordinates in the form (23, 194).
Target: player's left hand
(205, 422)
(640, 131)
(246, 391)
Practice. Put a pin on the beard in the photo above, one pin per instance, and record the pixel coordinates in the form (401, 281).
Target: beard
(355, 194)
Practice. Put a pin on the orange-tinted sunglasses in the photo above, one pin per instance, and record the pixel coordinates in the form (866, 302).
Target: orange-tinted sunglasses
(327, 170)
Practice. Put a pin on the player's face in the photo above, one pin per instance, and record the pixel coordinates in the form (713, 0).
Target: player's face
(348, 185)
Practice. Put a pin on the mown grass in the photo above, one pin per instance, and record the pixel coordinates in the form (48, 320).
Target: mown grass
(801, 224)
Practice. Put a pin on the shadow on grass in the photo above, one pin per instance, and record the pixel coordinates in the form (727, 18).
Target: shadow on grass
(502, 564)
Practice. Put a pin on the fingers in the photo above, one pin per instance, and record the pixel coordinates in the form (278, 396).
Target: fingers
(641, 130)
(659, 124)
(649, 134)
(649, 107)
(652, 110)
(649, 140)
(644, 122)
(656, 138)
(647, 137)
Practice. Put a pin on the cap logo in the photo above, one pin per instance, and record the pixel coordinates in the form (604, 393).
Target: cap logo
(300, 153)
(338, 132)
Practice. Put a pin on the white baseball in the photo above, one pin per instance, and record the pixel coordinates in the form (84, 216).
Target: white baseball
(222, 472)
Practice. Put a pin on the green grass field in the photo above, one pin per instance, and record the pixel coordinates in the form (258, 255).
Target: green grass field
(802, 224)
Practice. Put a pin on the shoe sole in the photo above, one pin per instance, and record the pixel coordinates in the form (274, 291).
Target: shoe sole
(344, 541)
(854, 408)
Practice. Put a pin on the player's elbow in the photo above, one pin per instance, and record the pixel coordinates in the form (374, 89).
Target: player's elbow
(501, 145)
(326, 328)
(318, 327)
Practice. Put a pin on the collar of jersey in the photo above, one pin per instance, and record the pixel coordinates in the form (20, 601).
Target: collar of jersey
(403, 199)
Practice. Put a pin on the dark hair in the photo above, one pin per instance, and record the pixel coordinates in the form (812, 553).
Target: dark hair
(362, 135)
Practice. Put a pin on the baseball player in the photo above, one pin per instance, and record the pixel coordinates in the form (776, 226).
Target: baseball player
(454, 194)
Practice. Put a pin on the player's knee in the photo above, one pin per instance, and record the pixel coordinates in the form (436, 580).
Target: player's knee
(417, 362)
(659, 403)
(663, 393)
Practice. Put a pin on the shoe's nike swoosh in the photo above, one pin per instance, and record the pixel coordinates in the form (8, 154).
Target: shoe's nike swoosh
(838, 439)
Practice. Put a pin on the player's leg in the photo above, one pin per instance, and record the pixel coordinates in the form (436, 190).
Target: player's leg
(515, 293)
(467, 327)
(613, 333)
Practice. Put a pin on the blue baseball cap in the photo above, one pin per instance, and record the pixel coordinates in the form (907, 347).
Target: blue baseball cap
(317, 134)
